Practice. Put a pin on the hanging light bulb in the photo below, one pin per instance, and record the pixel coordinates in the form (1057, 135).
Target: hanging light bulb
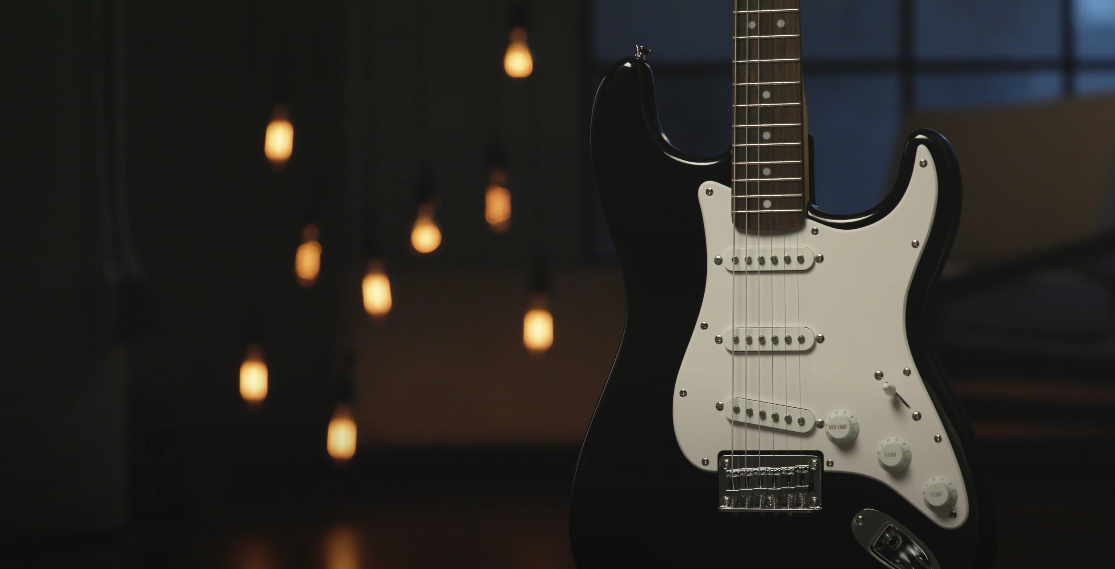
(253, 376)
(377, 290)
(497, 202)
(517, 62)
(425, 237)
(307, 259)
(278, 142)
(341, 438)
(538, 325)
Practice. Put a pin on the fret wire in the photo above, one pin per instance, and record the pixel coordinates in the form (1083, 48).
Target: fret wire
(768, 83)
(757, 196)
(769, 105)
(767, 180)
(766, 37)
(767, 162)
(765, 11)
(768, 144)
(767, 60)
(768, 211)
(773, 125)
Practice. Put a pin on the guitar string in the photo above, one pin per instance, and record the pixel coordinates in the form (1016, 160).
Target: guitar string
(731, 403)
(797, 234)
(758, 221)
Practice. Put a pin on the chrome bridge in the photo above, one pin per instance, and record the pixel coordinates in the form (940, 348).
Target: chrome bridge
(769, 482)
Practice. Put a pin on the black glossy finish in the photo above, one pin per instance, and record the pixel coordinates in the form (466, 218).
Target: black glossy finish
(636, 501)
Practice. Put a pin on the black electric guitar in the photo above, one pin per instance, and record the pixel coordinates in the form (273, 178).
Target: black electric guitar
(775, 401)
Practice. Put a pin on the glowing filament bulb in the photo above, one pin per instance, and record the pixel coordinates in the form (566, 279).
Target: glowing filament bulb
(341, 439)
(377, 290)
(253, 376)
(497, 202)
(425, 237)
(538, 326)
(517, 62)
(278, 142)
(307, 260)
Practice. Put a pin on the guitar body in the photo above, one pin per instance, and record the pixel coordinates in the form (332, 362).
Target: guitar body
(642, 495)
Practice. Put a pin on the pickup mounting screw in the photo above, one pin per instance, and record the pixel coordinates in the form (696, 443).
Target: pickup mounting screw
(829, 462)
(708, 191)
(917, 415)
(923, 163)
(704, 461)
(718, 260)
(820, 423)
(704, 325)
(813, 231)
(905, 371)
(683, 393)
(719, 339)
(820, 338)
(937, 438)
(878, 375)
(859, 520)
(719, 405)
(819, 258)
(915, 243)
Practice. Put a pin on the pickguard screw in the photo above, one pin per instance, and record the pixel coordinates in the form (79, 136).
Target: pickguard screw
(719, 339)
(708, 191)
(878, 375)
(829, 462)
(937, 438)
(813, 464)
(735, 409)
(952, 514)
(813, 231)
(923, 164)
(859, 520)
(820, 258)
(704, 461)
(801, 421)
(801, 339)
(747, 259)
(917, 415)
(704, 325)
(915, 243)
(683, 393)
(820, 338)
(719, 405)
(905, 371)
(718, 260)
(735, 260)
(820, 423)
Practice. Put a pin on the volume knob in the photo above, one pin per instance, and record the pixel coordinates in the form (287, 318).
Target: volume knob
(939, 493)
(841, 427)
(894, 454)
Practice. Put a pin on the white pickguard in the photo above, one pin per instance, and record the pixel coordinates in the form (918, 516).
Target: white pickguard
(856, 298)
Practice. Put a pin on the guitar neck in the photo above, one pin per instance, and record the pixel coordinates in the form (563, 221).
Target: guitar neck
(769, 153)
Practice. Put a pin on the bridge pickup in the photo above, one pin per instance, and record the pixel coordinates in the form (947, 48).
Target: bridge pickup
(769, 482)
(768, 259)
(745, 340)
(770, 415)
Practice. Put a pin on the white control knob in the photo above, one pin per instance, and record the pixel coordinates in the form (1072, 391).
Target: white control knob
(939, 493)
(841, 427)
(894, 454)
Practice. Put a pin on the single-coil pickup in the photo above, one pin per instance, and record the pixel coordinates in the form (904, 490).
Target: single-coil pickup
(768, 259)
(745, 340)
(770, 415)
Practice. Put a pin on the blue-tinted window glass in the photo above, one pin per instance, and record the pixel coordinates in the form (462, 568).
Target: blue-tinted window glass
(854, 120)
(676, 31)
(1095, 82)
(696, 110)
(953, 90)
(1095, 28)
(849, 29)
(987, 29)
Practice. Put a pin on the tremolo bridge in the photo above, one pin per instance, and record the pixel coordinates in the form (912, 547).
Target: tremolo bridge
(769, 482)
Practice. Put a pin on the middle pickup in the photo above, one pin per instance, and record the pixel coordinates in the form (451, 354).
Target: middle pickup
(774, 339)
(768, 259)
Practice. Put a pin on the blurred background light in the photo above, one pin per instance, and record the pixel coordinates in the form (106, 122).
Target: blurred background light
(307, 260)
(253, 376)
(538, 325)
(425, 237)
(340, 441)
(278, 142)
(517, 62)
(497, 202)
(377, 290)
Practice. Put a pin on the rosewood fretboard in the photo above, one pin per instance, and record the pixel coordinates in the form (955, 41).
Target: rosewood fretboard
(769, 157)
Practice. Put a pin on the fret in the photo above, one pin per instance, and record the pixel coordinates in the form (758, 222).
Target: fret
(785, 125)
(766, 11)
(769, 105)
(768, 144)
(769, 180)
(767, 162)
(772, 60)
(766, 210)
(768, 83)
(766, 37)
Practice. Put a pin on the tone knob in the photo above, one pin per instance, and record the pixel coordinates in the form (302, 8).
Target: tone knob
(841, 427)
(939, 493)
(894, 454)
